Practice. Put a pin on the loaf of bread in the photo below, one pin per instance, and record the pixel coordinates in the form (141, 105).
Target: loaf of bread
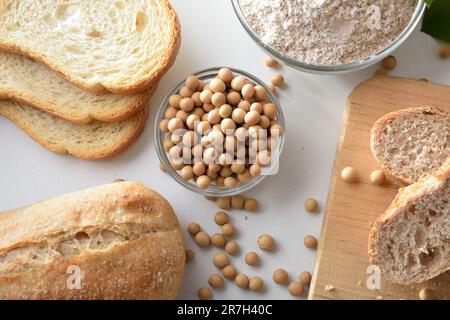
(93, 141)
(410, 241)
(28, 82)
(120, 46)
(411, 143)
(118, 241)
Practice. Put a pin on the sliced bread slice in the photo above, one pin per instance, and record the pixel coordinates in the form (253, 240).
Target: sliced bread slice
(31, 83)
(102, 45)
(412, 142)
(410, 241)
(94, 141)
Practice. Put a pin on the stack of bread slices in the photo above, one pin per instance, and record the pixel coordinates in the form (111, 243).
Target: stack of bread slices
(77, 76)
(410, 241)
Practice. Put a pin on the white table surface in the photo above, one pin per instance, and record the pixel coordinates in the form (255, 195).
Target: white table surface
(313, 107)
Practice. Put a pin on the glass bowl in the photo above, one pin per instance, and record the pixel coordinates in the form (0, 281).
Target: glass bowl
(213, 190)
(332, 69)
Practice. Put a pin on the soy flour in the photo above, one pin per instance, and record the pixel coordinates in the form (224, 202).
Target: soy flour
(328, 32)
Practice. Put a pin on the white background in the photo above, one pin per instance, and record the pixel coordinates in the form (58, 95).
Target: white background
(313, 107)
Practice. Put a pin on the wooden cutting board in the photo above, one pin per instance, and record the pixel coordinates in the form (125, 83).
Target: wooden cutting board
(342, 260)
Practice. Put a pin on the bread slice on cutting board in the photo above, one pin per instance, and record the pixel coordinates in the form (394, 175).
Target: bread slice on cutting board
(123, 239)
(31, 83)
(410, 241)
(412, 142)
(102, 45)
(94, 141)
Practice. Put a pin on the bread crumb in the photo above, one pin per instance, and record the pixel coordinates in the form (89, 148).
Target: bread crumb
(359, 283)
(189, 256)
(329, 288)
(379, 297)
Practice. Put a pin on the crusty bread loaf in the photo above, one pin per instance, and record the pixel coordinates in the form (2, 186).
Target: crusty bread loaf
(101, 45)
(94, 141)
(123, 238)
(412, 142)
(29, 82)
(410, 241)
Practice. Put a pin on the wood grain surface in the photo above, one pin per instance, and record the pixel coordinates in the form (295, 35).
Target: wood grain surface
(340, 270)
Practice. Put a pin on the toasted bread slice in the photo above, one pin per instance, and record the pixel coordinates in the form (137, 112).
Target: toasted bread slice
(94, 141)
(412, 142)
(101, 45)
(410, 241)
(31, 83)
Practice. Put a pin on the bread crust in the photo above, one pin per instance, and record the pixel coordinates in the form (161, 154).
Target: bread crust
(406, 196)
(150, 265)
(144, 84)
(386, 119)
(125, 142)
(137, 104)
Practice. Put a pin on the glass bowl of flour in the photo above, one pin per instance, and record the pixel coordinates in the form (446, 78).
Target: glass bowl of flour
(329, 36)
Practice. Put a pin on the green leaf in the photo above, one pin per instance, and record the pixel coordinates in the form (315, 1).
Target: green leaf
(429, 2)
(436, 22)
